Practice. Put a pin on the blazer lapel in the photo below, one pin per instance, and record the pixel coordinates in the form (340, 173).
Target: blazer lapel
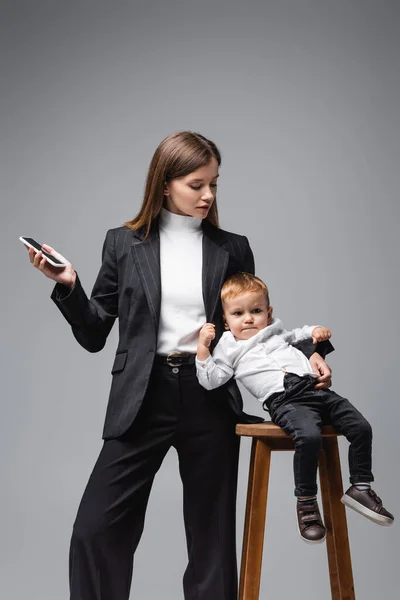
(146, 254)
(215, 263)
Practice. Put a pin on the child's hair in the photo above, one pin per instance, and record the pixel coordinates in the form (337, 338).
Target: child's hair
(240, 283)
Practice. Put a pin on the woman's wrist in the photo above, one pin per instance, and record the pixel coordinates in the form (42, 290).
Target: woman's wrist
(71, 283)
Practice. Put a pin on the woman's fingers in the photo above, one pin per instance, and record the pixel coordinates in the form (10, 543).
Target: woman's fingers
(324, 380)
(42, 263)
(65, 275)
(39, 261)
(31, 253)
(318, 365)
(54, 253)
(36, 259)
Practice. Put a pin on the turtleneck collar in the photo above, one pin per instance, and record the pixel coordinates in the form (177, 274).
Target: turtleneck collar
(173, 222)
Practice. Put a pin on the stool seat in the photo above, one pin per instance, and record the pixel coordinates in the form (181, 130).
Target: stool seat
(270, 430)
(267, 437)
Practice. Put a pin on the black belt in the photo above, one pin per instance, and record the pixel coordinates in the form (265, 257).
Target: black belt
(176, 359)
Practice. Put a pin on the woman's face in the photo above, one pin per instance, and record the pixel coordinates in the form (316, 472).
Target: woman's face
(193, 194)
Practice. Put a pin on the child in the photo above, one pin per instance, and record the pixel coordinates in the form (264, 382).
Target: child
(258, 351)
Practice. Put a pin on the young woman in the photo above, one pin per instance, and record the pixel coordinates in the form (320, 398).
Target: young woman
(174, 245)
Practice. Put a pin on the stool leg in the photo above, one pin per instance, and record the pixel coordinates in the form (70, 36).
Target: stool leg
(253, 536)
(337, 540)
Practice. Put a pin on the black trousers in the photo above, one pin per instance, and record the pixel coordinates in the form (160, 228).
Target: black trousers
(177, 412)
(301, 410)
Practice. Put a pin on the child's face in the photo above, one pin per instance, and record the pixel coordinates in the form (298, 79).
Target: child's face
(246, 314)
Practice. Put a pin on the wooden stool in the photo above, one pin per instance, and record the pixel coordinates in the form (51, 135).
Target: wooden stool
(267, 437)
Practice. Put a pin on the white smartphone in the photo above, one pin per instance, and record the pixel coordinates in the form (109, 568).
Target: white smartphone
(31, 243)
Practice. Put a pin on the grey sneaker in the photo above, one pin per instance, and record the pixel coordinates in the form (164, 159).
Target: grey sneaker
(367, 503)
(311, 527)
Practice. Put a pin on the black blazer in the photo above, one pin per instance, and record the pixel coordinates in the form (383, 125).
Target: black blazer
(128, 286)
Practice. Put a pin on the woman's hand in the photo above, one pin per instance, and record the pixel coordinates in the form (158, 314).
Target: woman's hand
(318, 365)
(65, 275)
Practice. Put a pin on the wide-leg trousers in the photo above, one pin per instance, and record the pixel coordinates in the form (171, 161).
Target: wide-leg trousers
(176, 411)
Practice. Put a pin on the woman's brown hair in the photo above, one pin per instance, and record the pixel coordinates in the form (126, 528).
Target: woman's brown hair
(177, 155)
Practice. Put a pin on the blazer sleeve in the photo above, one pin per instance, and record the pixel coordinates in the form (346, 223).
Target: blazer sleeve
(248, 258)
(91, 319)
(308, 348)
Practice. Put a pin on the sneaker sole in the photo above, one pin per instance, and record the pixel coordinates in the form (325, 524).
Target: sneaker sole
(366, 512)
(305, 539)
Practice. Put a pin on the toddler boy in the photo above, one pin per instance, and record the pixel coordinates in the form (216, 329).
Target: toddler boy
(258, 351)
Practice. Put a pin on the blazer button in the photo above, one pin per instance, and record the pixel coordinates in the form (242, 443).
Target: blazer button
(175, 370)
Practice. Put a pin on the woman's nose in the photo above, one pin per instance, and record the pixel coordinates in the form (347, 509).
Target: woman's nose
(208, 195)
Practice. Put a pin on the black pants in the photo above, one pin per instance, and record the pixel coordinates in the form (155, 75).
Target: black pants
(301, 410)
(177, 412)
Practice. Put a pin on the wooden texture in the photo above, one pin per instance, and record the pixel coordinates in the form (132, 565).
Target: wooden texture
(268, 437)
(337, 540)
(256, 506)
(269, 430)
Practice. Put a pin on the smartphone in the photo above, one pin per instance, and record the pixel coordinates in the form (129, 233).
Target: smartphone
(31, 243)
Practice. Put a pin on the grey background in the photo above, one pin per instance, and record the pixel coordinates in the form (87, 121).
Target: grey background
(303, 98)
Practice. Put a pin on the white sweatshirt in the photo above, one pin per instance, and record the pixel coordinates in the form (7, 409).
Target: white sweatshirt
(259, 363)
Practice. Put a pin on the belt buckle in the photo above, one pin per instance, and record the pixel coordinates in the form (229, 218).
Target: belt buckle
(174, 359)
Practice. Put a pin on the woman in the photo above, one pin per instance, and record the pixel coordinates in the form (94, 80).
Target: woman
(174, 245)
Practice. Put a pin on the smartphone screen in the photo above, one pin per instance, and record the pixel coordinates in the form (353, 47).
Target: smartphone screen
(38, 247)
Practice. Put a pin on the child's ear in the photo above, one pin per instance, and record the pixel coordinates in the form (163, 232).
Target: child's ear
(270, 311)
(226, 326)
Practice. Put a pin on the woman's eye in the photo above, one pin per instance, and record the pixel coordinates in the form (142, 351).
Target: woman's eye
(198, 187)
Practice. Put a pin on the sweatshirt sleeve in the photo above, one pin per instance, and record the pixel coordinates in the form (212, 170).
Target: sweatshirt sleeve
(215, 370)
(299, 334)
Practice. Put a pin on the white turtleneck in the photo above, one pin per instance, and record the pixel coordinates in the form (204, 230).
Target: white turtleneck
(182, 311)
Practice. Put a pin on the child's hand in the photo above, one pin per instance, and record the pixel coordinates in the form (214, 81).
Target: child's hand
(320, 334)
(206, 335)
